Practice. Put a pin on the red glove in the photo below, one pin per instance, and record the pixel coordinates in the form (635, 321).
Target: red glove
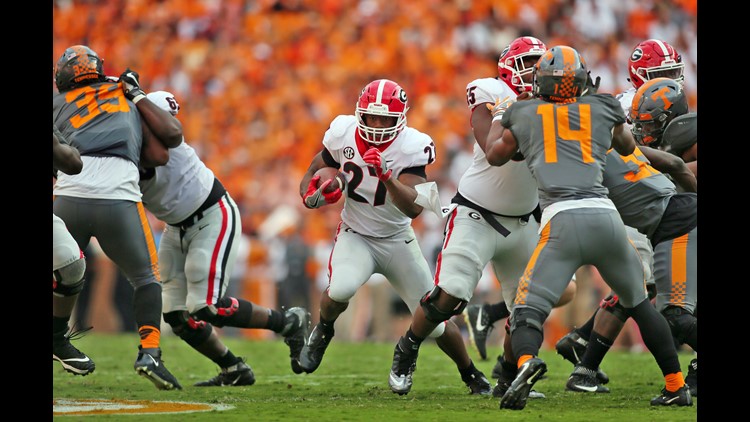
(373, 159)
(316, 197)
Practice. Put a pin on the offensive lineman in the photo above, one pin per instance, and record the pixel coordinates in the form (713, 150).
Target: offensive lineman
(197, 253)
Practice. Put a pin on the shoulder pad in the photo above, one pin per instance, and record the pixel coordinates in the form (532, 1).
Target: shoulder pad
(487, 90)
(334, 136)
(681, 133)
(414, 141)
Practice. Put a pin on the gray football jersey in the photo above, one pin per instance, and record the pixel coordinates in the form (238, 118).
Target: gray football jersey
(640, 192)
(565, 145)
(99, 121)
(681, 133)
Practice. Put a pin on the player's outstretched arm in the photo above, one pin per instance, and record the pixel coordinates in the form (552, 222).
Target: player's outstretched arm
(673, 166)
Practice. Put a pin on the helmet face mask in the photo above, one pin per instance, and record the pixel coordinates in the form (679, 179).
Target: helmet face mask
(78, 66)
(655, 59)
(386, 98)
(512, 65)
(655, 105)
(560, 75)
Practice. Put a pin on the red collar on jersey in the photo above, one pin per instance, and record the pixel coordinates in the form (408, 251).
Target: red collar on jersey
(363, 146)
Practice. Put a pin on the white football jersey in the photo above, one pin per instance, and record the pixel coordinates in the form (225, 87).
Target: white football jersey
(179, 187)
(626, 101)
(368, 208)
(508, 190)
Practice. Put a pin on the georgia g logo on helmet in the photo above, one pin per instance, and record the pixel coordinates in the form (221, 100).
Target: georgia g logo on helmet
(402, 96)
(637, 54)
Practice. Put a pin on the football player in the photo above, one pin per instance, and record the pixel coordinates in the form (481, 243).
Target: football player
(384, 161)
(197, 253)
(580, 224)
(68, 269)
(650, 59)
(492, 222)
(102, 119)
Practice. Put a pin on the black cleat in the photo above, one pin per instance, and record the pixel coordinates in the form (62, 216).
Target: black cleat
(477, 383)
(149, 364)
(478, 323)
(572, 347)
(681, 397)
(584, 380)
(295, 334)
(402, 369)
(692, 377)
(71, 359)
(312, 352)
(236, 375)
(505, 378)
(518, 393)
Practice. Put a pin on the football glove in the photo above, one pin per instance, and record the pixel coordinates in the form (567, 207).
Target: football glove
(131, 86)
(498, 109)
(591, 87)
(316, 198)
(373, 159)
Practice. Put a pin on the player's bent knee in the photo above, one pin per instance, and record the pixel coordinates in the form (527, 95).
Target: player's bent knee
(223, 313)
(188, 329)
(527, 317)
(435, 314)
(438, 331)
(682, 323)
(612, 305)
(68, 280)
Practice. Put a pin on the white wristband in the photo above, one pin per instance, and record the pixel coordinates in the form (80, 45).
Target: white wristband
(138, 98)
(497, 118)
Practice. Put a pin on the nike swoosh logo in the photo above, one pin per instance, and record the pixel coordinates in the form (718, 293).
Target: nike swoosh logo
(480, 326)
(397, 381)
(86, 359)
(202, 227)
(409, 241)
(388, 161)
(673, 399)
(155, 361)
(585, 388)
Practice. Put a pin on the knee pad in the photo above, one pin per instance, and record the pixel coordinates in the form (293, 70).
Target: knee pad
(612, 305)
(68, 280)
(432, 313)
(224, 312)
(527, 317)
(682, 323)
(191, 331)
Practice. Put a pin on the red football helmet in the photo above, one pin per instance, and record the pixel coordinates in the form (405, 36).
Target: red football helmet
(654, 59)
(382, 97)
(510, 66)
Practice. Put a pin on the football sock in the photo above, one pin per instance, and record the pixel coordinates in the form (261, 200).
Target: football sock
(275, 321)
(497, 311)
(598, 347)
(585, 330)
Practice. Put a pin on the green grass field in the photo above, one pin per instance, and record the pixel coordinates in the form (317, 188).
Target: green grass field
(351, 385)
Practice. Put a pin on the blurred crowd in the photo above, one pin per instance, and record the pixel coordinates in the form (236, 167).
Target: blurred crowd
(259, 81)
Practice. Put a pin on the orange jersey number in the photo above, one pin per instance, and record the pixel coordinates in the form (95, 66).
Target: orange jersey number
(561, 122)
(644, 169)
(107, 98)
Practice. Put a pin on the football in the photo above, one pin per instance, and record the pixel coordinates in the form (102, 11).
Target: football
(327, 173)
